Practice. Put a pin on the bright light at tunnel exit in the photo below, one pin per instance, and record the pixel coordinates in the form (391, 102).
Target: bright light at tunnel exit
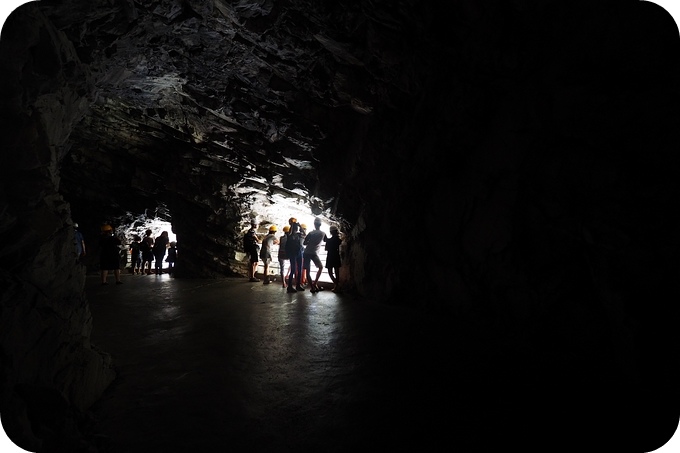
(275, 211)
(156, 226)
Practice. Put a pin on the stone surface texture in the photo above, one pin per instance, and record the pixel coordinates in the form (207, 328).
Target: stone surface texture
(510, 161)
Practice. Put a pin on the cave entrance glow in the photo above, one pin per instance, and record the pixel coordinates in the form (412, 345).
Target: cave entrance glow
(138, 226)
(276, 209)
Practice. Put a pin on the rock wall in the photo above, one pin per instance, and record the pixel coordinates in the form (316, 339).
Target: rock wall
(50, 372)
(529, 192)
(510, 165)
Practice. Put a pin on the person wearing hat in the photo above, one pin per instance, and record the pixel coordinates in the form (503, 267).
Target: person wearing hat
(109, 254)
(251, 245)
(282, 255)
(266, 252)
(333, 261)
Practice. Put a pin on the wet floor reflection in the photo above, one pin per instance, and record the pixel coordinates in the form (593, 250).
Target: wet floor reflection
(271, 367)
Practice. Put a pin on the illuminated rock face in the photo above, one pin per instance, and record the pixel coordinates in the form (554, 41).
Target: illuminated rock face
(513, 162)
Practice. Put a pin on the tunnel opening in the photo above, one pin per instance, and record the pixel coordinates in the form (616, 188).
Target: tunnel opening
(267, 205)
(276, 210)
(132, 225)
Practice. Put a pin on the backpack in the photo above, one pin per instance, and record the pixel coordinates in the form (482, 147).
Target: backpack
(250, 241)
(293, 244)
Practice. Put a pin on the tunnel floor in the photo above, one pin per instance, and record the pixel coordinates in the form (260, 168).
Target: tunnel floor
(229, 365)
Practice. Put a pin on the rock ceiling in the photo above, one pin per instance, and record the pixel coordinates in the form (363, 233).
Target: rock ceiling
(212, 100)
(533, 144)
(210, 112)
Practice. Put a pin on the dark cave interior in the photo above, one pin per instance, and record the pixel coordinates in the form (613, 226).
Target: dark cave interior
(514, 162)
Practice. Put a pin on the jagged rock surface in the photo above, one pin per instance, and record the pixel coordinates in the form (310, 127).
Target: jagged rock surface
(513, 160)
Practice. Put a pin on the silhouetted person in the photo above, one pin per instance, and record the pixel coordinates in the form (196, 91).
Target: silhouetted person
(147, 253)
(109, 254)
(266, 253)
(294, 251)
(172, 257)
(333, 261)
(283, 258)
(136, 254)
(303, 233)
(160, 247)
(80, 244)
(251, 247)
(312, 242)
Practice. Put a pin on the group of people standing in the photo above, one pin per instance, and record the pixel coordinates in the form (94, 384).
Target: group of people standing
(144, 251)
(298, 249)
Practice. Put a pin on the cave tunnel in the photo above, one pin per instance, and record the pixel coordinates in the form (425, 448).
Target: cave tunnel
(504, 174)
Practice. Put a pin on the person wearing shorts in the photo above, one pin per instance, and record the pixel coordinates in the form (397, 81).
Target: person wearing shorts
(312, 243)
(266, 253)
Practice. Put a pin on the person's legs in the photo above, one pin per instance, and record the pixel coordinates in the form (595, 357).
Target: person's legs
(319, 269)
(303, 272)
(331, 275)
(116, 273)
(305, 268)
(291, 273)
(104, 273)
(299, 271)
(253, 266)
(282, 264)
(334, 274)
(266, 271)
